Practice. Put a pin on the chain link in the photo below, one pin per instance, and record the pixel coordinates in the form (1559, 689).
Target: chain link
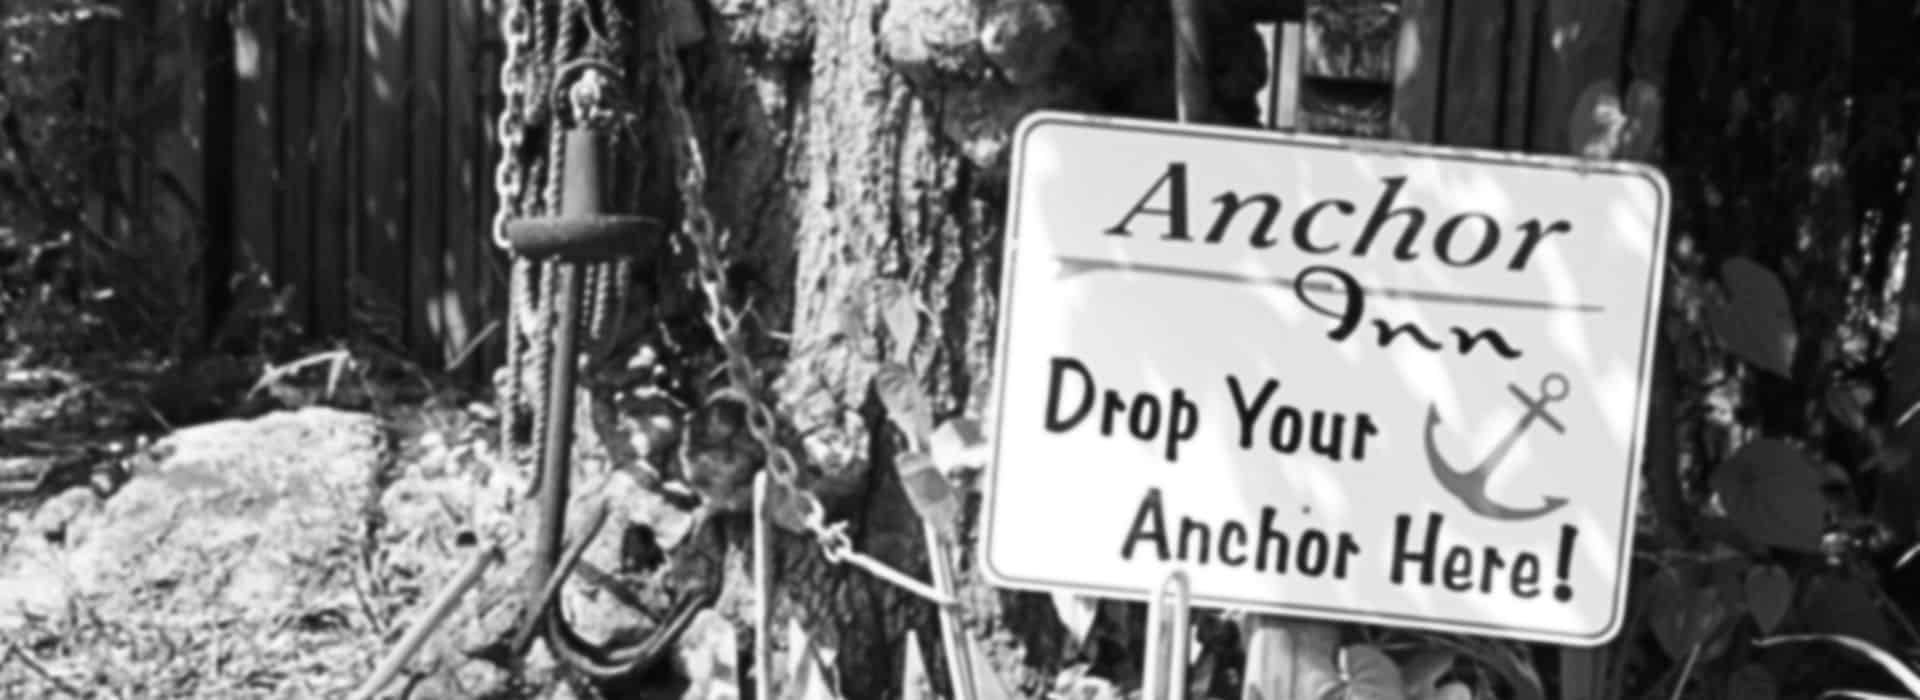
(508, 182)
(709, 244)
(509, 175)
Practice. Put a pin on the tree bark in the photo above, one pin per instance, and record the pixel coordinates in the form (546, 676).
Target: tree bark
(858, 151)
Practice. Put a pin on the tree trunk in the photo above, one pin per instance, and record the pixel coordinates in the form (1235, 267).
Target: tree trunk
(858, 151)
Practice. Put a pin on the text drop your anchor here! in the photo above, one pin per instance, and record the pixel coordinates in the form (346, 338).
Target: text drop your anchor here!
(1420, 552)
(1401, 385)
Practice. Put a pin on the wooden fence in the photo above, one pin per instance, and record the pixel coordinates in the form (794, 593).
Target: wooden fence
(340, 152)
(344, 151)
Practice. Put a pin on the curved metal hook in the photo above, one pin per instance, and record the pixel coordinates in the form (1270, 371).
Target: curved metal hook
(574, 651)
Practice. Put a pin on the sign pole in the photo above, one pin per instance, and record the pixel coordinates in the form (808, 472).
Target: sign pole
(1165, 668)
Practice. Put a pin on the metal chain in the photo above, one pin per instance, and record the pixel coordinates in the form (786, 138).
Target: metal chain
(709, 244)
(509, 181)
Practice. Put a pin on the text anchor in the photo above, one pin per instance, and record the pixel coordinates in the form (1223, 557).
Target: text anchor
(1471, 486)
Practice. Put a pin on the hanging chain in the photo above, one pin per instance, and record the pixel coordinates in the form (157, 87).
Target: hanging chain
(743, 379)
(509, 183)
(708, 243)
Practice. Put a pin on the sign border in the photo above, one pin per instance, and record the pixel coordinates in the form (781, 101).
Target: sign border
(1636, 449)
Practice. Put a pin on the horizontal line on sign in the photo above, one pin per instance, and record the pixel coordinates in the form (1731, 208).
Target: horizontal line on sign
(1073, 266)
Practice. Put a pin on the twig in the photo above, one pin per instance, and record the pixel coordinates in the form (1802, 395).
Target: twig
(466, 352)
(15, 652)
(436, 614)
(1686, 670)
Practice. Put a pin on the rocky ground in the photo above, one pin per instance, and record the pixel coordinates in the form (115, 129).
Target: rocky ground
(280, 556)
(170, 532)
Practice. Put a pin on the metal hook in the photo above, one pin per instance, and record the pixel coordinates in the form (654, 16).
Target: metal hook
(1167, 641)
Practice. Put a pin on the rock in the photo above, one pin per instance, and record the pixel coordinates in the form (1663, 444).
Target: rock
(57, 518)
(706, 655)
(251, 523)
(33, 583)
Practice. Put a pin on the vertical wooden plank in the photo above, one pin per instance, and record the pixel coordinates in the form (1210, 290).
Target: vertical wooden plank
(217, 177)
(1516, 116)
(255, 167)
(294, 189)
(333, 79)
(460, 301)
(384, 148)
(97, 98)
(1475, 74)
(1419, 63)
(1580, 63)
(427, 175)
(178, 156)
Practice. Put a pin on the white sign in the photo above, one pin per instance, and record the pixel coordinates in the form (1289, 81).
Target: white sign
(1355, 381)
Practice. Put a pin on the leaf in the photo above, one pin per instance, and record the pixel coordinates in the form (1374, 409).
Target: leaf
(959, 444)
(900, 312)
(1752, 682)
(1366, 673)
(1894, 667)
(989, 686)
(1862, 695)
(1076, 613)
(932, 496)
(1452, 691)
(1847, 404)
(807, 666)
(1668, 598)
(906, 402)
(1843, 606)
(1423, 672)
(708, 653)
(1682, 611)
(1772, 494)
(1769, 590)
(1288, 659)
(915, 684)
(790, 508)
(1755, 322)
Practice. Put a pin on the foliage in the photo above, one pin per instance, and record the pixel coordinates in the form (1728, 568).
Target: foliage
(85, 262)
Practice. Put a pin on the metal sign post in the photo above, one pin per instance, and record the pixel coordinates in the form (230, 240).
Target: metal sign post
(1167, 640)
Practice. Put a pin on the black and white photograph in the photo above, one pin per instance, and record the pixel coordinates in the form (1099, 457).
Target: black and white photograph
(959, 349)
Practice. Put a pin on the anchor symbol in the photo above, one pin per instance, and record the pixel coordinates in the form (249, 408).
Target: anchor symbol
(1471, 486)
